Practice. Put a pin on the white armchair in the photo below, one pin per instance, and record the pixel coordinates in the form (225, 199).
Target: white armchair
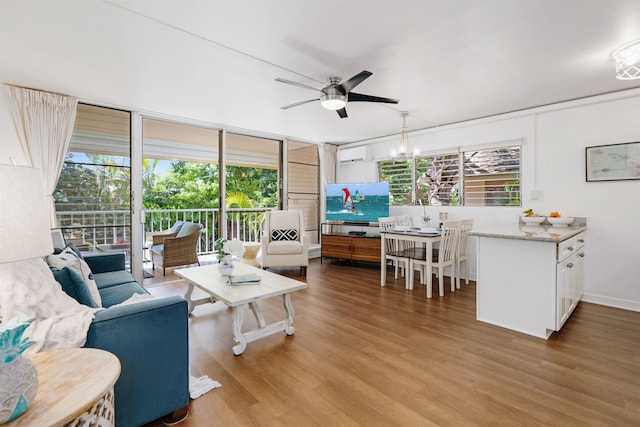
(283, 241)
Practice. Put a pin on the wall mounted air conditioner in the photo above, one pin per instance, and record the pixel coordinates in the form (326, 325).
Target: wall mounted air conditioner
(353, 155)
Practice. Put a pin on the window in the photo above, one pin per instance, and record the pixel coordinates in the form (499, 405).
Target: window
(400, 177)
(437, 181)
(93, 195)
(483, 177)
(492, 177)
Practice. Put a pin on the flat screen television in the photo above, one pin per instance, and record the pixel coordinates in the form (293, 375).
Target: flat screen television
(357, 202)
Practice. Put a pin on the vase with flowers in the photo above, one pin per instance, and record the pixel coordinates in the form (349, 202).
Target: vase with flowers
(18, 376)
(226, 250)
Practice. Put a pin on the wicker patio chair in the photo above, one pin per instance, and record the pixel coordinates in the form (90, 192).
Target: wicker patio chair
(177, 250)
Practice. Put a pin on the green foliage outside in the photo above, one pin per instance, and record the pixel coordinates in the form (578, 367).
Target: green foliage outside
(92, 182)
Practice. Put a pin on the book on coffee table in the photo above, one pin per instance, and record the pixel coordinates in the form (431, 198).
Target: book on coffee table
(244, 279)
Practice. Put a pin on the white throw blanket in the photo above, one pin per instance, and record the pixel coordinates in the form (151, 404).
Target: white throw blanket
(28, 289)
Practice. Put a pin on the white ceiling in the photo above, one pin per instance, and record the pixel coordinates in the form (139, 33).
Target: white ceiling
(216, 61)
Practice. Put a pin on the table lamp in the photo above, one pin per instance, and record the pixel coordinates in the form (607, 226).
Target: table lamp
(24, 238)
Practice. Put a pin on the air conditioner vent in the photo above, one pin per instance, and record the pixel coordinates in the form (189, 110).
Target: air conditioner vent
(353, 155)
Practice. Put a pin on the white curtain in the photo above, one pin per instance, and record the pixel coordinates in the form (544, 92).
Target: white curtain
(329, 160)
(44, 124)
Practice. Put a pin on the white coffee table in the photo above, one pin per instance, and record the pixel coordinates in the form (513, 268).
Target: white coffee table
(208, 279)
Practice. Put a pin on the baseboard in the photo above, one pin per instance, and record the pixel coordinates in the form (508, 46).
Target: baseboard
(612, 302)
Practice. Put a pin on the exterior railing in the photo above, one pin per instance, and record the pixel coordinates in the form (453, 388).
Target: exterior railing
(96, 230)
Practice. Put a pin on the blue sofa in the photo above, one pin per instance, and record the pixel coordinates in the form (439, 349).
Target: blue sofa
(151, 340)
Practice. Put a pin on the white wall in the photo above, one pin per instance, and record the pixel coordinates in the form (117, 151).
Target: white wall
(553, 163)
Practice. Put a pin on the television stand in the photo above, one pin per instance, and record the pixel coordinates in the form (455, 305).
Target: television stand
(352, 242)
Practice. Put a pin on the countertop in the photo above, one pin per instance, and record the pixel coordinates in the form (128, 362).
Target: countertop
(540, 233)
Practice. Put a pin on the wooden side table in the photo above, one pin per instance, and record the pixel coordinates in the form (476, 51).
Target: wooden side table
(75, 388)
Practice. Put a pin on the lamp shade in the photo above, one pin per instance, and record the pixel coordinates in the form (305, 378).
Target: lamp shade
(24, 220)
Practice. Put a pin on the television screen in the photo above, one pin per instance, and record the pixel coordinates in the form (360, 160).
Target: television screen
(362, 202)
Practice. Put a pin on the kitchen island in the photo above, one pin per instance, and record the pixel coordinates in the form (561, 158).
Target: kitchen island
(530, 278)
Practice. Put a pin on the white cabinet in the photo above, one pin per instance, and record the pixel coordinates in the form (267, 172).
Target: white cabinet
(569, 277)
(526, 284)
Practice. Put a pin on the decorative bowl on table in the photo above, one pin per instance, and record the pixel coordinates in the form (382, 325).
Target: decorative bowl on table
(401, 228)
(428, 230)
(563, 221)
(532, 219)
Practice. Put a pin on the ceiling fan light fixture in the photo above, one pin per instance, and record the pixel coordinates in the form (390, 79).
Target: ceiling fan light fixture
(627, 59)
(333, 101)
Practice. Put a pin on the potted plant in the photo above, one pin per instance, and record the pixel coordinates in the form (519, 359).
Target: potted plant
(226, 250)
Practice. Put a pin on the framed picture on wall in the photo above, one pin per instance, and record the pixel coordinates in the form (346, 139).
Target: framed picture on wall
(613, 162)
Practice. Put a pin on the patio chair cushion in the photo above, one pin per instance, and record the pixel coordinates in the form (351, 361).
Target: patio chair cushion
(188, 228)
(74, 286)
(68, 258)
(158, 249)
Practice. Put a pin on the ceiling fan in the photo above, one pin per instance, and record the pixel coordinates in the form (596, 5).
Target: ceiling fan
(337, 93)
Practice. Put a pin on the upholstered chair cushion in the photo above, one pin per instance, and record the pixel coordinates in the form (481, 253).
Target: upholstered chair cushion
(285, 247)
(284, 220)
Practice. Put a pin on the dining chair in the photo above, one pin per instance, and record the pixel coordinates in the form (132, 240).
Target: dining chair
(444, 257)
(462, 252)
(392, 249)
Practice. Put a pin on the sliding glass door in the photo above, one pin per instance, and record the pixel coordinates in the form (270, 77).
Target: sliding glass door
(93, 195)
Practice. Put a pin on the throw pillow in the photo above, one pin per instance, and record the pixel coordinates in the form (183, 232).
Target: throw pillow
(287, 234)
(68, 258)
(71, 246)
(74, 286)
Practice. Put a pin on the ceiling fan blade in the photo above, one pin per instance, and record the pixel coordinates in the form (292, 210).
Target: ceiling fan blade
(346, 86)
(342, 113)
(286, 107)
(290, 82)
(358, 97)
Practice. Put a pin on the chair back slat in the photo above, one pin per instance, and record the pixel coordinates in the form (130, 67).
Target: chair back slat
(448, 241)
(463, 239)
(386, 224)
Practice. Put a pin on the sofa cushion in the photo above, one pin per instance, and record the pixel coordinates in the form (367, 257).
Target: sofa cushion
(284, 234)
(188, 228)
(74, 286)
(68, 258)
(285, 247)
(119, 293)
(112, 278)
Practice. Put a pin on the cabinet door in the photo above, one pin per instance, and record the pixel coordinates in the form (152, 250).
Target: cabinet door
(577, 279)
(365, 249)
(564, 288)
(336, 246)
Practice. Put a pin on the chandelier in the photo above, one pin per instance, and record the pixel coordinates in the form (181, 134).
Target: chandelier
(627, 60)
(403, 153)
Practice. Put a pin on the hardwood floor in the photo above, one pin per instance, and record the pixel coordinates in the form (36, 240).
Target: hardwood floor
(363, 355)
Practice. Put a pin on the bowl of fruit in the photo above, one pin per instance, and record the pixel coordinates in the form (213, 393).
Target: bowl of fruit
(530, 217)
(557, 220)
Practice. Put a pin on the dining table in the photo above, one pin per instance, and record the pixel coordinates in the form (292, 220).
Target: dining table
(428, 238)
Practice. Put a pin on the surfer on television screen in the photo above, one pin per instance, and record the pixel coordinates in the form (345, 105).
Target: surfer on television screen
(347, 201)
